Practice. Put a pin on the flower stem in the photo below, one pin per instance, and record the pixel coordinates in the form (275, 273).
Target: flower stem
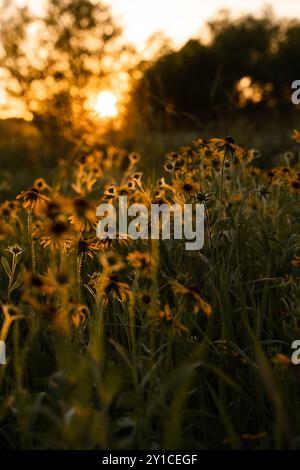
(29, 226)
(11, 278)
(78, 273)
(222, 184)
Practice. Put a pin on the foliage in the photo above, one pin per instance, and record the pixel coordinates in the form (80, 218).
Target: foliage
(55, 61)
(201, 82)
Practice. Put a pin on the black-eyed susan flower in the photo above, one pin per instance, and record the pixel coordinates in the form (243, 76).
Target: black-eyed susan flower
(203, 196)
(35, 284)
(186, 187)
(41, 184)
(58, 279)
(54, 208)
(149, 303)
(54, 234)
(161, 184)
(134, 158)
(32, 198)
(83, 214)
(109, 243)
(111, 261)
(9, 211)
(228, 146)
(294, 186)
(116, 288)
(166, 320)
(141, 261)
(137, 177)
(110, 286)
(84, 246)
(191, 293)
(110, 191)
(169, 166)
(159, 197)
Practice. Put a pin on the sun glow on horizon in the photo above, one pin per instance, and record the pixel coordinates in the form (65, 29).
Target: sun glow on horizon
(180, 20)
(106, 104)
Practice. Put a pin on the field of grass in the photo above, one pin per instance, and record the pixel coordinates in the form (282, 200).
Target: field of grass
(142, 344)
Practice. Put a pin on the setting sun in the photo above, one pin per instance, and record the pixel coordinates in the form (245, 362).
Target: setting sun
(106, 104)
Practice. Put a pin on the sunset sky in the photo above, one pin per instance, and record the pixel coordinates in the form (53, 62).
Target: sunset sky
(178, 19)
(181, 19)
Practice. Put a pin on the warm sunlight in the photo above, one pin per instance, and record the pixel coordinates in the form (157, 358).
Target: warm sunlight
(149, 231)
(106, 104)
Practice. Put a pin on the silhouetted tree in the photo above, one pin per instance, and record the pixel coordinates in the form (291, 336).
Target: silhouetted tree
(202, 82)
(54, 61)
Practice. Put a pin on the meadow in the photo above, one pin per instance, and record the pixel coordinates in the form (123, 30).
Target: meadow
(122, 344)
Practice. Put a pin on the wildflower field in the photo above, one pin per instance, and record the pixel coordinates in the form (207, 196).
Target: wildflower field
(140, 344)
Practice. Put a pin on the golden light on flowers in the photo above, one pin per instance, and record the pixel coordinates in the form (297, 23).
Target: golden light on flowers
(106, 104)
(113, 301)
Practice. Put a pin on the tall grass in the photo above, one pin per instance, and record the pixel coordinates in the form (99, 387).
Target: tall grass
(142, 344)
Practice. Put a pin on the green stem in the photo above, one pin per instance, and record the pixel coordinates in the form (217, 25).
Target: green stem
(29, 226)
(209, 232)
(11, 279)
(78, 273)
(222, 183)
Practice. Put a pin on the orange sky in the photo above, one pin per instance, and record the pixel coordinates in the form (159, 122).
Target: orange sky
(177, 19)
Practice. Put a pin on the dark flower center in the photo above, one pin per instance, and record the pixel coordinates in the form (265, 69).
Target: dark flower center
(58, 228)
(36, 281)
(80, 205)
(146, 299)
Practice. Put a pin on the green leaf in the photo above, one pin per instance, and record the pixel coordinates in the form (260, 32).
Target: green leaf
(17, 282)
(6, 266)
